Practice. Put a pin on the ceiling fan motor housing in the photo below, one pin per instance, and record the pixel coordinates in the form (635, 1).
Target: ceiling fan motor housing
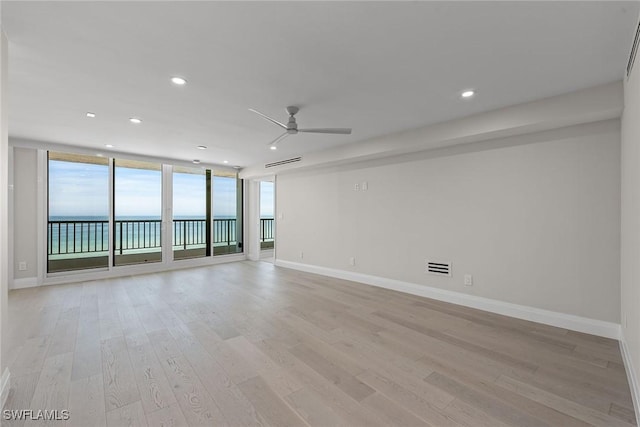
(292, 126)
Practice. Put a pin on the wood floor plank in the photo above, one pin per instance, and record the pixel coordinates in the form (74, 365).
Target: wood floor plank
(391, 413)
(131, 415)
(328, 393)
(278, 379)
(86, 402)
(235, 366)
(32, 356)
(623, 413)
(272, 410)
(588, 415)
(153, 386)
(334, 372)
(63, 338)
(578, 390)
(234, 405)
(86, 362)
(470, 416)
(120, 387)
(508, 407)
(20, 396)
(493, 406)
(430, 408)
(52, 390)
(171, 416)
(249, 343)
(197, 405)
(310, 407)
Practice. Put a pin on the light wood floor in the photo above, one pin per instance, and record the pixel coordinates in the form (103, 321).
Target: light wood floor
(252, 344)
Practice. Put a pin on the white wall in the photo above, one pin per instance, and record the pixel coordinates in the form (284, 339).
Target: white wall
(4, 218)
(25, 206)
(630, 257)
(535, 219)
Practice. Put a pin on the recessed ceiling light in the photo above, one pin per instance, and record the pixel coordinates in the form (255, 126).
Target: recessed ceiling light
(108, 145)
(178, 81)
(100, 155)
(201, 147)
(467, 94)
(225, 161)
(90, 114)
(135, 120)
(196, 161)
(273, 147)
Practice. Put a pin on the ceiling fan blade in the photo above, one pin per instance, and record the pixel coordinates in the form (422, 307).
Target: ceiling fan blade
(344, 131)
(264, 116)
(278, 139)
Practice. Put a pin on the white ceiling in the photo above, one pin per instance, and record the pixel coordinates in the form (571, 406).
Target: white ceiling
(379, 67)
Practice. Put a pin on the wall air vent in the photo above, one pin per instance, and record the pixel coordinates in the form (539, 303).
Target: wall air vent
(283, 162)
(634, 51)
(439, 268)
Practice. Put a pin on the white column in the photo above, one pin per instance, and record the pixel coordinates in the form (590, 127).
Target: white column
(252, 240)
(4, 219)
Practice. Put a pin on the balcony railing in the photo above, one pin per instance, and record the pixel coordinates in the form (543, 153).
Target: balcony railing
(266, 229)
(138, 234)
(85, 237)
(70, 237)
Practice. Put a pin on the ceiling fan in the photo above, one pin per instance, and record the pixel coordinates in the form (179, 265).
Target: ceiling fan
(291, 128)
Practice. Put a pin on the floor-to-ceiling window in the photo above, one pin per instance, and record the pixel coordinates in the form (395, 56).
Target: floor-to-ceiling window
(227, 213)
(78, 212)
(266, 214)
(191, 212)
(137, 201)
(102, 209)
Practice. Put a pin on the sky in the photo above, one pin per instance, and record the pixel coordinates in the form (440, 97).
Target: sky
(266, 199)
(81, 189)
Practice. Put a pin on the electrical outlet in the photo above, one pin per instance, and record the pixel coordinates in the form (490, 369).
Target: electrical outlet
(22, 265)
(468, 280)
(280, 215)
(352, 261)
(356, 187)
(365, 186)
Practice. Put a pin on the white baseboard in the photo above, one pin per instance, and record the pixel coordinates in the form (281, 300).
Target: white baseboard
(26, 282)
(547, 317)
(631, 374)
(5, 385)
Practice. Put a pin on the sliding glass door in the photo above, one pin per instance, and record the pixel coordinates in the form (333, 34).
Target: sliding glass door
(227, 213)
(191, 212)
(78, 212)
(137, 204)
(266, 214)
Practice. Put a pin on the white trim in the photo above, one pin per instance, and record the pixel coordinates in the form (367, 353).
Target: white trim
(25, 282)
(5, 385)
(547, 317)
(42, 208)
(10, 216)
(631, 373)
(167, 214)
